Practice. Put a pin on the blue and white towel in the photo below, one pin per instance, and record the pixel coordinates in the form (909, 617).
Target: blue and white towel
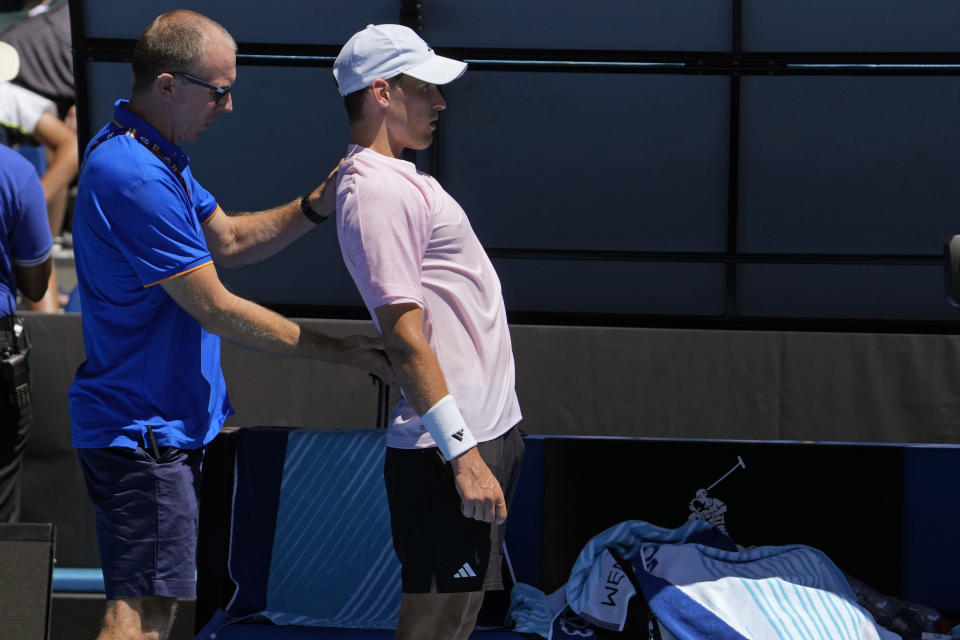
(332, 562)
(698, 591)
(310, 539)
(768, 592)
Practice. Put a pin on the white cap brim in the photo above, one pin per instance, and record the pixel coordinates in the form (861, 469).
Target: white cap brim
(437, 70)
(9, 62)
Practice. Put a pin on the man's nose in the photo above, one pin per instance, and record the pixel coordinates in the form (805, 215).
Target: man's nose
(438, 101)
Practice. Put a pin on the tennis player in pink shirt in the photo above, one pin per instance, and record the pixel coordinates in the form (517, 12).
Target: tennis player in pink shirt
(454, 452)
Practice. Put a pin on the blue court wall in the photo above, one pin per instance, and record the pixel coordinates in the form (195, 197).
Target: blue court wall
(717, 164)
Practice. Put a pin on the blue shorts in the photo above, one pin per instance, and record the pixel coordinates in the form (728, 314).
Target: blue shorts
(146, 519)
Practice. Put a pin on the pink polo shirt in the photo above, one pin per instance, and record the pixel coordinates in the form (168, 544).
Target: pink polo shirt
(404, 239)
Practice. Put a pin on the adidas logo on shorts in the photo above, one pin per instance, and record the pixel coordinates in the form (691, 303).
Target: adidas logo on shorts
(458, 436)
(466, 571)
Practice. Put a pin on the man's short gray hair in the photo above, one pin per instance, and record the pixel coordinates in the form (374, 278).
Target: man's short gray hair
(174, 41)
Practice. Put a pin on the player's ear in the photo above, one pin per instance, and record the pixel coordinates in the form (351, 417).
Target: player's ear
(380, 90)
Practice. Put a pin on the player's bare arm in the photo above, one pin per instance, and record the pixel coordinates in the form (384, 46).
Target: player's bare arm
(424, 386)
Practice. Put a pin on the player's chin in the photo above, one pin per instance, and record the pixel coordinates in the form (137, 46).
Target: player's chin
(425, 141)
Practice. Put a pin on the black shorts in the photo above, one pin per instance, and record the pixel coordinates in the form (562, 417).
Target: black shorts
(431, 536)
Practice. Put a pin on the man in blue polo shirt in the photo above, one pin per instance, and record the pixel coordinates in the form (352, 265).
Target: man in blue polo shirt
(25, 265)
(151, 393)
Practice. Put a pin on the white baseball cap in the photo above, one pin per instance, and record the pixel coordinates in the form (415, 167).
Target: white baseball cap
(9, 62)
(387, 50)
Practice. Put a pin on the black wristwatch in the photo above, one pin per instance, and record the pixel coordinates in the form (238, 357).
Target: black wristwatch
(312, 215)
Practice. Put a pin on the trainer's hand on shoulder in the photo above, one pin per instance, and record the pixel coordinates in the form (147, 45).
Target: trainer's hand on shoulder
(323, 199)
(480, 493)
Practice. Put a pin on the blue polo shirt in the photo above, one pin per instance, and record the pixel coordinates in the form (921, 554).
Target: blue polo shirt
(137, 222)
(25, 238)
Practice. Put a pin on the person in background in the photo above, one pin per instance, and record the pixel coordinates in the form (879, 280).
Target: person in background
(25, 265)
(46, 68)
(148, 241)
(27, 117)
(46, 61)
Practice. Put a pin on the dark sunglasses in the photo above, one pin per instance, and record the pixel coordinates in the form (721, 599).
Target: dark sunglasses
(220, 91)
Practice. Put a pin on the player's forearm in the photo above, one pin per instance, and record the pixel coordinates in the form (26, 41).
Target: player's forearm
(424, 387)
(414, 362)
(419, 373)
(422, 379)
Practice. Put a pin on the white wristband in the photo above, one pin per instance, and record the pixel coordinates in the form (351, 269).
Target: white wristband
(448, 428)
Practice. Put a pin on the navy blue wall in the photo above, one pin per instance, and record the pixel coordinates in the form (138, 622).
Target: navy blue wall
(698, 162)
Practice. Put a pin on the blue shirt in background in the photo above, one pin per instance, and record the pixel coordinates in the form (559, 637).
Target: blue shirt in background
(25, 238)
(137, 222)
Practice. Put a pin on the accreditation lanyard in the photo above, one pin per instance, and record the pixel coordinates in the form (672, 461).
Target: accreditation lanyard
(116, 129)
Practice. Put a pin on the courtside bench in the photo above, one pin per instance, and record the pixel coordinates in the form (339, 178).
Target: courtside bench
(295, 538)
(294, 529)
